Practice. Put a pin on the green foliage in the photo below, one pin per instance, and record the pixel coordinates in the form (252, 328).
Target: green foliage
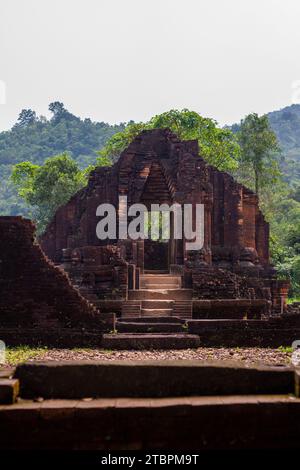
(259, 169)
(103, 160)
(10, 202)
(40, 186)
(26, 117)
(64, 132)
(260, 151)
(217, 146)
(283, 213)
(22, 176)
(119, 141)
(33, 139)
(19, 354)
(291, 300)
(286, 125)
(59, 111)
(285, 349)
(44, 188)
(290, 269)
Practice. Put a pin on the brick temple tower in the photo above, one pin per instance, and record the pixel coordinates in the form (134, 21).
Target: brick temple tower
(159, 168)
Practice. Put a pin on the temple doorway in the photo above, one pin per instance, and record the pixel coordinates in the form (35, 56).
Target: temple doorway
(157, 256)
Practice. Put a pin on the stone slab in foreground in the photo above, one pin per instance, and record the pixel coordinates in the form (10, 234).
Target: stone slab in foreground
(150, 379)
(182, 423)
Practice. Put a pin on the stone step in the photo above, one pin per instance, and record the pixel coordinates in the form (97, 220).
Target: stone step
(145, 341)
(6, 372)
(233, 422)
(151, 319)
(72, 424)
(131, 308)
(183, 309)
(155, 271)
(164, 278)
(149, 327)
(198, 326)
(160, 294)
(158, 286)
(157, 303)
(75, 380)
(156, 312)
(9, 390)
(160, 193)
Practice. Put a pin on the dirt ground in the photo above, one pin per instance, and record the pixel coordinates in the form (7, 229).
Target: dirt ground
(245, 355)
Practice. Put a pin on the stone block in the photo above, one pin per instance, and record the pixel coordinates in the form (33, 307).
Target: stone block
(9, 390)
(81, 379)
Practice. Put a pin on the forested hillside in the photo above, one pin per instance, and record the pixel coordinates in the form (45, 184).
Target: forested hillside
(45, 182)
(35, 138)
(280, 200)
(286, 125)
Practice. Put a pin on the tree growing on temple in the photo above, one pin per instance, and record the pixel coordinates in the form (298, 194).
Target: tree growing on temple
(217, 146)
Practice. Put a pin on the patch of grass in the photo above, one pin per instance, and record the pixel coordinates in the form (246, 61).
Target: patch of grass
(285, 349)
(19, 354)
(291, 300)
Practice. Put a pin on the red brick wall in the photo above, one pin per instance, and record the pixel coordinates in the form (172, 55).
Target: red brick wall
(33, 292)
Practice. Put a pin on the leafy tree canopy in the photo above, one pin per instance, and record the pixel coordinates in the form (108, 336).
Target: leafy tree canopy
(45, 183)
(259, 169)
(26, 118)
(34, 139)
(46, 187)
(260, 150)
(218, 147)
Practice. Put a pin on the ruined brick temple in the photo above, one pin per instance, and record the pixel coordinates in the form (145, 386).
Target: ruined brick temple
(160, 286)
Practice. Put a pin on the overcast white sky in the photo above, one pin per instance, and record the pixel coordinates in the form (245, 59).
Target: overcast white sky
(115, 60)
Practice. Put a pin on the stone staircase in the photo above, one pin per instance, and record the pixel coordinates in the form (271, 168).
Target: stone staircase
(142, 405)
(154, 316)
(163, 315)
(160, 295)
(160, 281)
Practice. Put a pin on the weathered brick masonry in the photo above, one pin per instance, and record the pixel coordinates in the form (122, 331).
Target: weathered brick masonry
(35, 294)
(159, 168)
(227, 292)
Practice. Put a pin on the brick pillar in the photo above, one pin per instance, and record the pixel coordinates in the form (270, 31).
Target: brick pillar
(233, 214)
(218, 210)
(249, 211)
(262, 238)
(208, 228)
(140, 255)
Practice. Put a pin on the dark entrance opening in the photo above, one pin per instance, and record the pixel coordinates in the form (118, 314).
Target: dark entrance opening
(156, 191)
(156, 255)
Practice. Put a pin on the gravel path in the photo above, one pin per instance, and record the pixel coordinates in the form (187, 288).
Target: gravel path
(245, 355)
